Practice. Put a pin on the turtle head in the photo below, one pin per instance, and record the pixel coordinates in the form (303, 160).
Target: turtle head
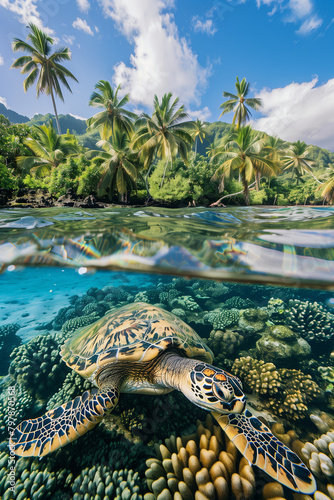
(214, 389)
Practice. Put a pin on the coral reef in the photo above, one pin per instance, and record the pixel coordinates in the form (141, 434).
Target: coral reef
(327, 374)
(237, 302)
(23, 407)
(285, 392)
(38, 367)
(310, 320)
(73, 324)
(221, 318)
(203, 465)
(73, 385)
(281, 343)
(319, 455)
(8, 340)
(224, 344)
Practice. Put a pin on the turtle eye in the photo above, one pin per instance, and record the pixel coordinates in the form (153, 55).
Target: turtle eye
(220, 391)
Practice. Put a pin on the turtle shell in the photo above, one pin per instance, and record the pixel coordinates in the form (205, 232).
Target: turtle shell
(135, 332)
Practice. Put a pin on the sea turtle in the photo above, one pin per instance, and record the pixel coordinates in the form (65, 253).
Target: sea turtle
(142, 348)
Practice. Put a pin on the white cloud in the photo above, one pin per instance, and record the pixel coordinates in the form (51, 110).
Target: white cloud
(27, 12)
(81, 24)
(202, 114)
(296, 11)
(302, 111)
(69, 39)
(310, 25)
(83, 5)
(2, 61)
(203, 26)
(96, 29)
(161, 61)
(3, 101)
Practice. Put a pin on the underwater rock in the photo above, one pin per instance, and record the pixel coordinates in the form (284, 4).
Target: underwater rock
(253, 320)
(8, 340)
(281, 343)
(285, 392)
(38, 367)
(205, 465)
(327, 374)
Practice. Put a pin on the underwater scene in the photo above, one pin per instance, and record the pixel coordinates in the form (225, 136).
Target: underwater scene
(167, 354)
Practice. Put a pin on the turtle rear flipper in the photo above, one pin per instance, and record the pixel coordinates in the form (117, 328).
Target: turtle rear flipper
(62, 425)
(257, 443)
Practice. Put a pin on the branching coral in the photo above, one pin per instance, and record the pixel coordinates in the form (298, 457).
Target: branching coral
(287, 392)
(204, 465)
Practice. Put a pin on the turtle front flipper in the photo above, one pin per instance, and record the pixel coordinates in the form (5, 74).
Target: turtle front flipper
(257, 443)
(62, 425)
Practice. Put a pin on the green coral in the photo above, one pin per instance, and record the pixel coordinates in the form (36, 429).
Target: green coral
(238, 303)
(73, 385)
(23, 407)
(38, 367)
(310, 320)
(225, 318)
(73, 324)
(8, 340)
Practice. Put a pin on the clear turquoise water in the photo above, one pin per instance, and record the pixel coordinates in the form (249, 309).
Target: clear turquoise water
(194, 261)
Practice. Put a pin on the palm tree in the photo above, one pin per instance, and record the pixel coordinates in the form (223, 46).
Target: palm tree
(43, 65)
(113, 115)
(199, 132)
(239, 102)
(297, 159)
(50, 149)
(327, 187)
(165, 134)
(242, 152)
(119, 168)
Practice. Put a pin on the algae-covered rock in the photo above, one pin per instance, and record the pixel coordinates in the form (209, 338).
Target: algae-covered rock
(252, 320)
(281, 343)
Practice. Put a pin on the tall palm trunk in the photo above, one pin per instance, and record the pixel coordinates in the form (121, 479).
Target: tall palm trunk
(54, 107)
(246, 190)
(196, 146)
(165, 170)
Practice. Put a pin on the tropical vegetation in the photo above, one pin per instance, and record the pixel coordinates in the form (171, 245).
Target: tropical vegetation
(118, 156)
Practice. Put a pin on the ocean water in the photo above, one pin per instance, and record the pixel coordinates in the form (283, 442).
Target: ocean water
(257, 287)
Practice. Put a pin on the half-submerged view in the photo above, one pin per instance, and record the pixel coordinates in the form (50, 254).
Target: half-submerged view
(195, 364)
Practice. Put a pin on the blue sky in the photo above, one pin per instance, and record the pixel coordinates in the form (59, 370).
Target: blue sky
(195, 49)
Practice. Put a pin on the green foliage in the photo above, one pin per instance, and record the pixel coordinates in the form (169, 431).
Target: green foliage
(89, 180)
(7, 180)
(33, 182)
(67, 175)
(258, 197)
(12, 141)
(183, 183)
